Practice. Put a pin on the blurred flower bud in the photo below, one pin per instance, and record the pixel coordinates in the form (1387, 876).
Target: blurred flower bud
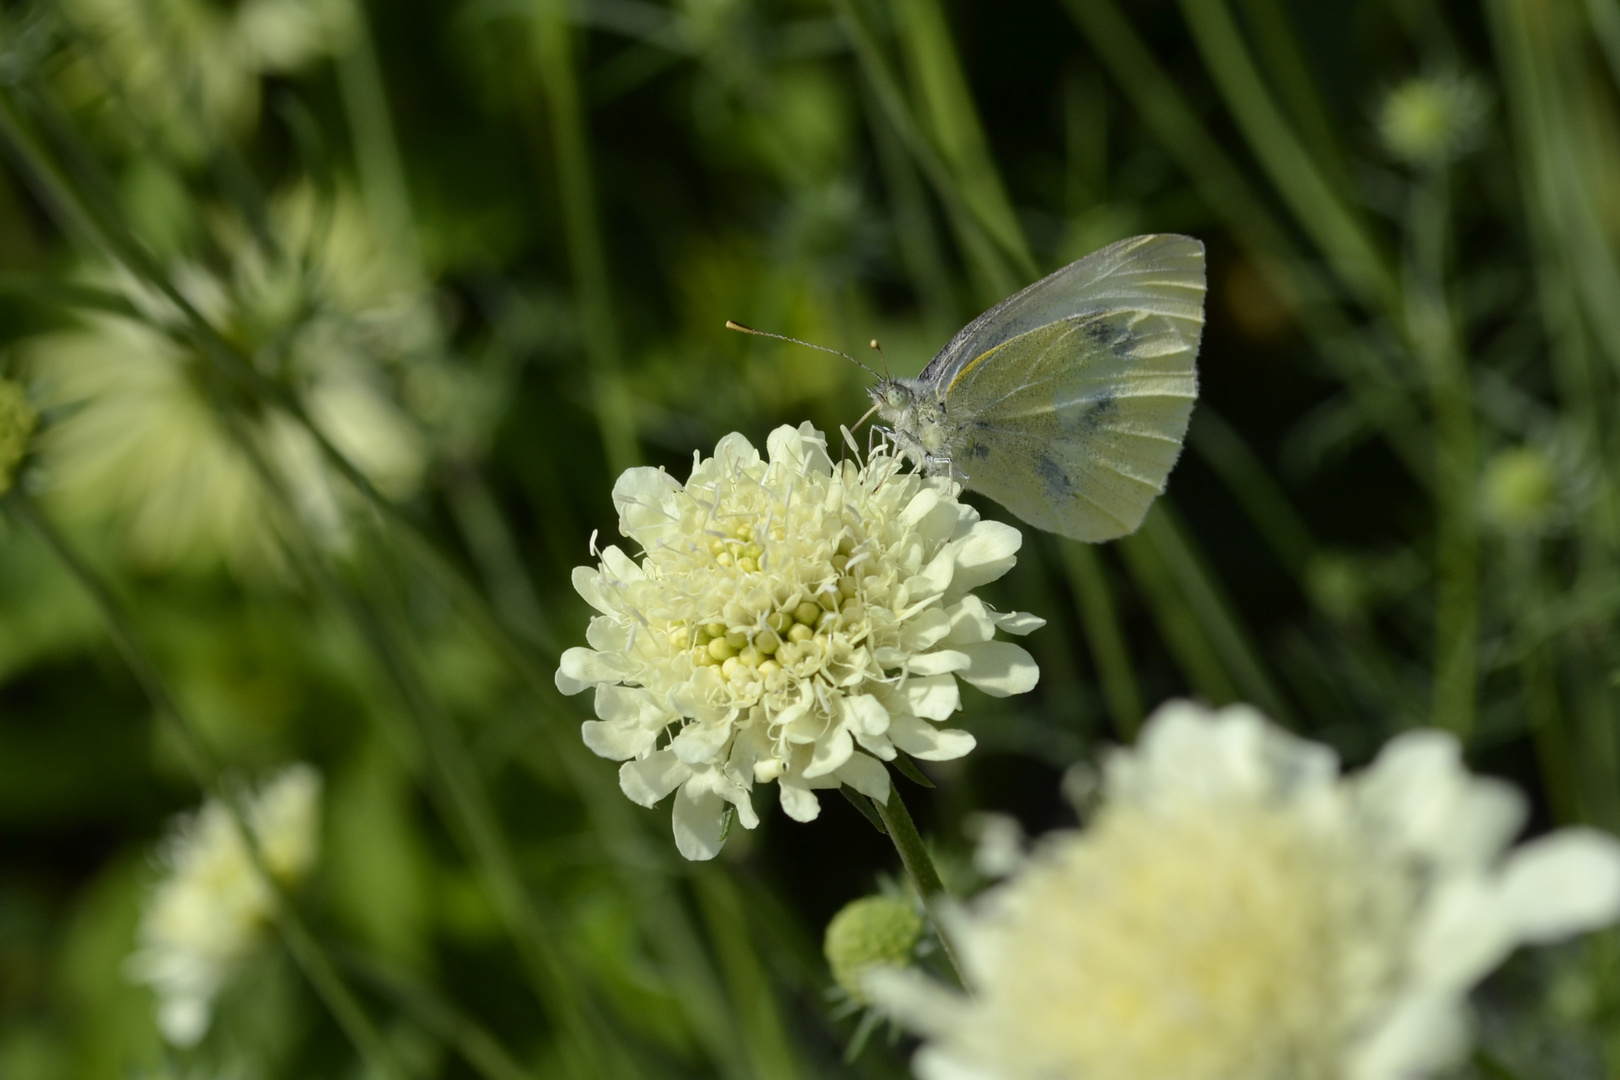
(17, 420)
(1433, 120)
(872, 932)
(1519, 489)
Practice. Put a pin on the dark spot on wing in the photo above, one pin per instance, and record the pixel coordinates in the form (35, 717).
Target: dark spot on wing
(1053, 477)
(976, 451)
(1088, 418)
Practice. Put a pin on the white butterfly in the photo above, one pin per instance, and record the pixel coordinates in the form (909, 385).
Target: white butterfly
(1068, 402)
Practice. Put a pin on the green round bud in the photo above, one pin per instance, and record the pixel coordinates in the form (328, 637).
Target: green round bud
(1519, 489)
(17, 420)
(1429, 122)
(874, 931)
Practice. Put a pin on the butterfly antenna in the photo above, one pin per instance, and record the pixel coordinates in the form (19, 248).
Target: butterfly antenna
(875, 347)
(741, 329)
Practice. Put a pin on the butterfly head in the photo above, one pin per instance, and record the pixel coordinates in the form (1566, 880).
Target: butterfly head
(916, 422)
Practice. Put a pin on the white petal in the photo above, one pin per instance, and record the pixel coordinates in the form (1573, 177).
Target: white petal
(631, 704)
(926, 742)
(184, 1018)
(971, 622)
(698, 816)
(866, 776)
(698, 743)
(864, 713)
(1563, 884)
(581, 668)
(916, 1001)
(934, 697)
(798, 801)
(988, 551)
(832, 750)
(925, 629)
(1423, 1035)
(607, 633)
(1018, 623)
(588, 583)
(938, 662)
(1419, 790)
(1000, 668)
(650, 779)
(617, 566)
(617, 740)
(644, 499)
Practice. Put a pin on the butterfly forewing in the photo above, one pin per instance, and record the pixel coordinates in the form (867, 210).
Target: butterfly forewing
(1163, 273)
(1075, 422)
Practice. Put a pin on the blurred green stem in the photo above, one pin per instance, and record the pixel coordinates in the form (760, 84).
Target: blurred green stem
(1431, 329)
(919, 867)
(472, 1041)
(559, 84)
(1100, 621)
(1317, 208)
(754, 1002)
(306, 951)
(376, 148)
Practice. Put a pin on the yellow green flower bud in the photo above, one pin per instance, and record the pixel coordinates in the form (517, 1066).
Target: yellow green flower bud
(17, 421)
(872, 932)
(1518, 490)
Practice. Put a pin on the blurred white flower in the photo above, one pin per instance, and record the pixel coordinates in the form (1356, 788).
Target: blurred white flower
(1237, 911)
(212, 908)
(17, 420)
(194, 66)
(784, 612)
(146, 438)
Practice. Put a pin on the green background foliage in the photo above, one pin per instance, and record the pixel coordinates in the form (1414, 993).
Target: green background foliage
(1397, 506)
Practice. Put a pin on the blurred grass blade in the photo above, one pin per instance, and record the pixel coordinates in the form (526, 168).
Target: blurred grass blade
(553, 46)
(753, 998)
(945, 99)
(1271, 26)
(1209, 604)
(996, 279)
(1322, 215)
(1214, 440)
(1104, 636)
(1178, 625)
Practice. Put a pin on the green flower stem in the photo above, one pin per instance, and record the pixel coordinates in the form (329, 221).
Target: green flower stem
(306, 951)
(919, 867)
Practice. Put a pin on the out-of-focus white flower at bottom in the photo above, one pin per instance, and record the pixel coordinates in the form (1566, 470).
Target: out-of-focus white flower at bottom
(212, 908)
(1238, 911)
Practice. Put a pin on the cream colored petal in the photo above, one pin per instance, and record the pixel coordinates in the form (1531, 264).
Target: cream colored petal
(934, 697)
(1563, 884)
(831, 751)
(1017, 623)
(700, 742)
(650, 779)
(924, 630)
(606, 633)
(617, 740)
(588, 583)
(916, 1001)
(971, 623)
(866, 776)
(926, 742)
(697, 819)
(1000, 668)
(618, 567)
(987, 552)
(1419, 790)
(864, 713)
(1424, 1034)
(581, 668)
(798, 801)
(938, 662)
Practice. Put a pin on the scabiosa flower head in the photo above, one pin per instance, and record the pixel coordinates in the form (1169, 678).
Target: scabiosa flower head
(1237, 911)
(791, 619)
(872, 932)
(212, 908)
(1433, 121)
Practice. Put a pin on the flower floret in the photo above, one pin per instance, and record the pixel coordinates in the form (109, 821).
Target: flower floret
(791, 620)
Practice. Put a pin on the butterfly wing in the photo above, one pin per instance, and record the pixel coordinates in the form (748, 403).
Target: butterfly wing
(1074, 421)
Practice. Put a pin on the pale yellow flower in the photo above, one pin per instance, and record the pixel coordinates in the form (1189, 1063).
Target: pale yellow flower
(212, 909)
(146, 436)
(1237, 911)
(791, 619)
